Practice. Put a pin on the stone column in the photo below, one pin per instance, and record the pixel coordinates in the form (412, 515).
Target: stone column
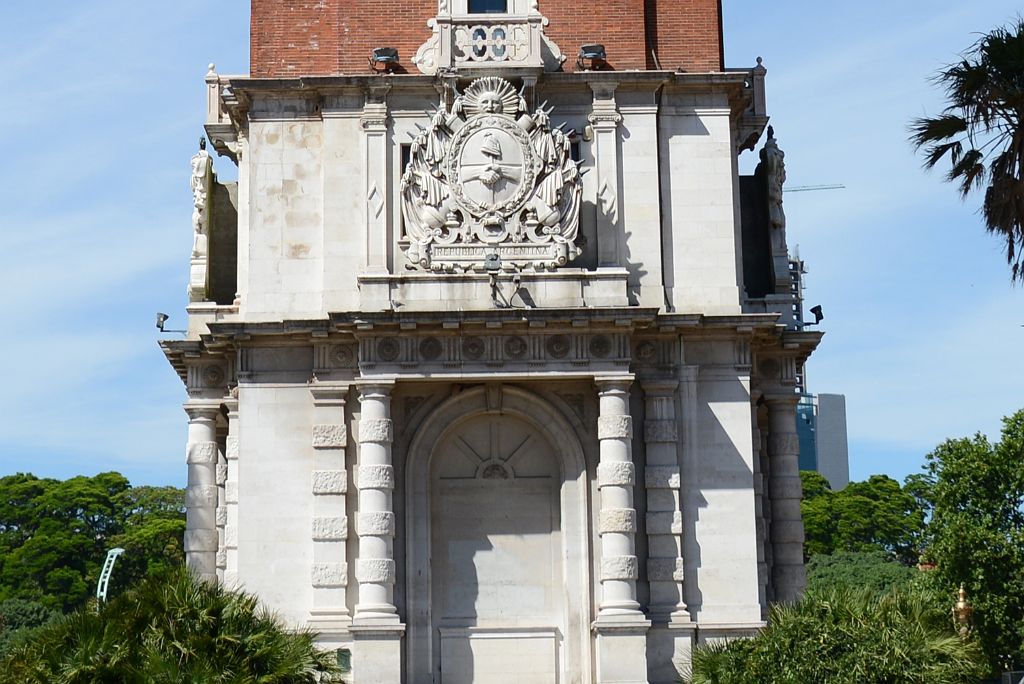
(329, 527)
(664, 512)
(201, 489)
(784, 490)
(231, 496)
(621, 627)
(376, 629)
(604, 121)
(222, 508)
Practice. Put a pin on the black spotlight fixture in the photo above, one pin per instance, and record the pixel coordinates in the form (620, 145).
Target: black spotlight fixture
(590, 57)
(385, 56)
(161, 319)
(818, 315)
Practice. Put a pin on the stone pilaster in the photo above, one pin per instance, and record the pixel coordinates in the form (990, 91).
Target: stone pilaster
(604, 122)
(230, 578)
(621, 627)
(664, 510)
(760, 455)
(329, 526)
(784, 489)
(201, 541)
(374, 122)
(375, 525)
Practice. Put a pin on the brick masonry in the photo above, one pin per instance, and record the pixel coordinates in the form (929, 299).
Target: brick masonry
(292, 38)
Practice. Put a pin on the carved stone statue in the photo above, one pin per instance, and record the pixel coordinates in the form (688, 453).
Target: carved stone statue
(774, 161)
(489, 177)
(201, 165)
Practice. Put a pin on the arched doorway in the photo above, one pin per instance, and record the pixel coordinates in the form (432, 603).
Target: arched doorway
(498, 548)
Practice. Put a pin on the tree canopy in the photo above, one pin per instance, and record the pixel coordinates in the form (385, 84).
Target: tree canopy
(975, 490)
(54, 535)
(981, 133)
(874, 515)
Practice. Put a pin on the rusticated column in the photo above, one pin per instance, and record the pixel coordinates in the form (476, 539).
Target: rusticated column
(664, 513)
(329, 528)
(375, 525)
(616, 477)
(201, 490)
(231, 496)
(784, 490)
(621, 628)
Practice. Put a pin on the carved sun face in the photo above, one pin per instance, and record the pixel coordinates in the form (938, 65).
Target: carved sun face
(490, 103)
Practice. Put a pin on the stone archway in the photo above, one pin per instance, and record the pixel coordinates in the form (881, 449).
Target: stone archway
(498, 546)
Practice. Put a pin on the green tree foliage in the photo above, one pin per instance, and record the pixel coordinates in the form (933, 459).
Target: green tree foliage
(54, 535)
(877, 514)
(976, 535)
(846, 637)
(981, 133)
(18, 618)
(165, 631)
(873, 571)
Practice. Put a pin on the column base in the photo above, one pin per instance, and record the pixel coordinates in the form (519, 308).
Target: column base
(376, 652)
(669, 651)
(329, 622)
(621, 650)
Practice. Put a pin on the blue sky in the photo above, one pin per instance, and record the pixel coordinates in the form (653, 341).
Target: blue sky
(104, 104)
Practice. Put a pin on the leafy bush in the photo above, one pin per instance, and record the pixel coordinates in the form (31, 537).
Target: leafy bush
(846, 637)
(170, 630)
(868, 570)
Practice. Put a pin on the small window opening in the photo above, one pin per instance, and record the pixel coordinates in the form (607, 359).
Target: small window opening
(488, 6)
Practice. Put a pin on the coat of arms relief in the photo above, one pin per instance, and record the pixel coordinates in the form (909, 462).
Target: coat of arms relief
(487, 177)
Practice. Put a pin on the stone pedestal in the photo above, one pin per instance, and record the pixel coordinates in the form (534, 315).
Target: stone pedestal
(621, 651)
(376, 653)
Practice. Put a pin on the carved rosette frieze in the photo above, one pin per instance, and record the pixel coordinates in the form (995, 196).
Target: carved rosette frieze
(443, 353)
(488, 177)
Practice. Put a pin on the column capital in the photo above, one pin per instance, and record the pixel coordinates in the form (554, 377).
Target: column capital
(611, 383)
(329, 394)
(659, 387)
(780, 399)
(198, 409)
(370, 388)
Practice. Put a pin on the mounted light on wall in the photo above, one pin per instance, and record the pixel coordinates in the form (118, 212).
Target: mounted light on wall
(161, 320)
(818, 315)
(591, 57)
(386, 56)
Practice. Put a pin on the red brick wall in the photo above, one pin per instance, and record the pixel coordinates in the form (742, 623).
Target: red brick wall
(616, 24)
(684, 34)
(326, 37)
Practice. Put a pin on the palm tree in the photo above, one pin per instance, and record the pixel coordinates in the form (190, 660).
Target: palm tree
(170, 630)
(982, 135)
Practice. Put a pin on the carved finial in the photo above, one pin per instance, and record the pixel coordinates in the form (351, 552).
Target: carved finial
(202, 142)
(759, 60)
(771, 133)
(211, 70)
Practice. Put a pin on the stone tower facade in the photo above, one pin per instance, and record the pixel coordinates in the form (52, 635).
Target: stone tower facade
(491, 361)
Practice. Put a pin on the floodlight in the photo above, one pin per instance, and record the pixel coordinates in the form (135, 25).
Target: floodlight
(818, 315)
